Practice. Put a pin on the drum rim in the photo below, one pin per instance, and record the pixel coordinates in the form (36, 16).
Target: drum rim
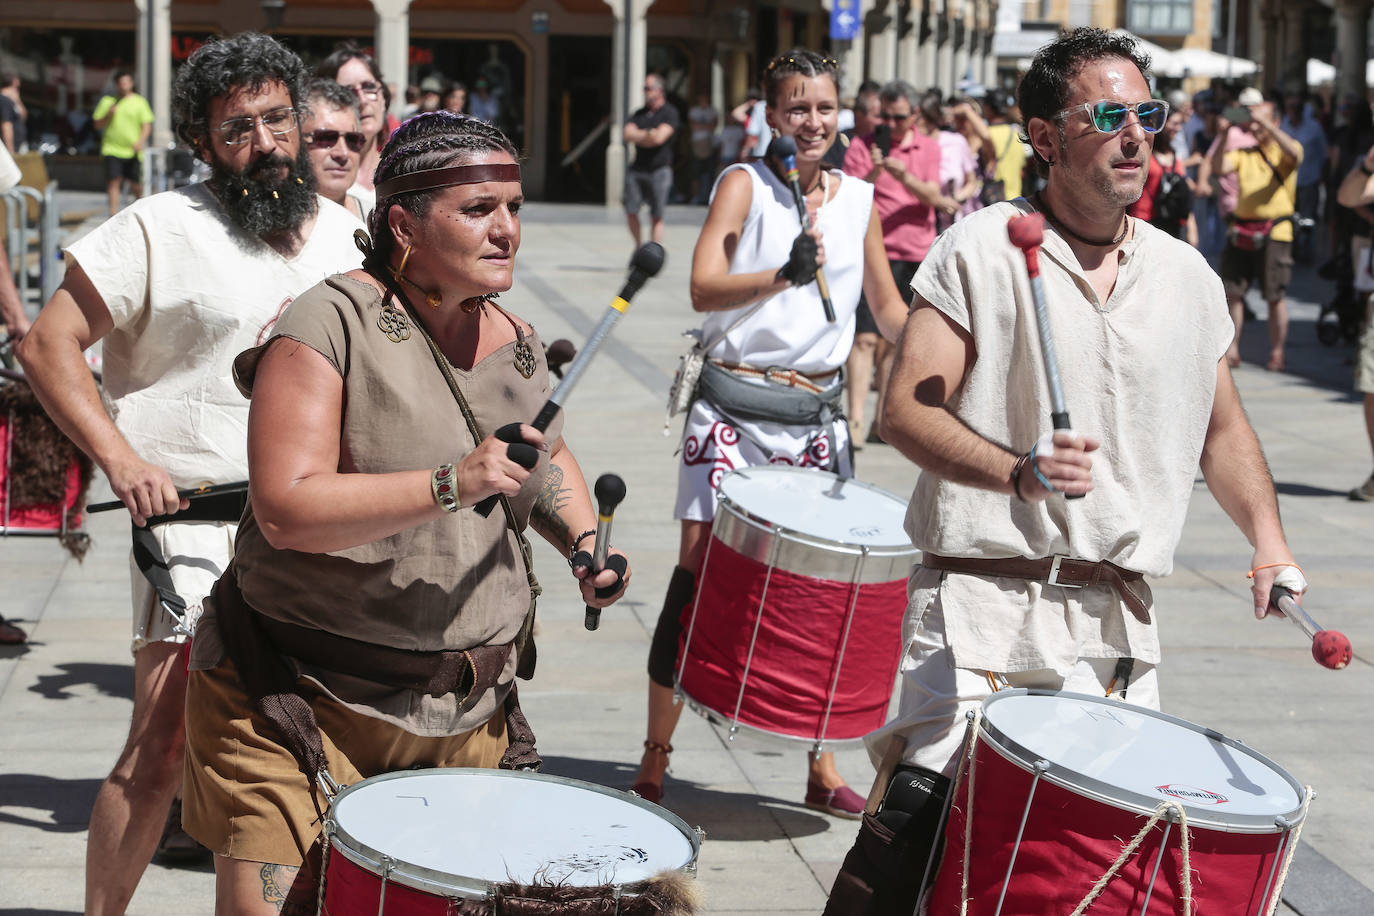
(446, 884)
(744, 515)
(718, 718)
(1135, 802)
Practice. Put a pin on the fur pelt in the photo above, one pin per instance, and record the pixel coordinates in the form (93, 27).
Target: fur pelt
(39, 458)
(669, 893)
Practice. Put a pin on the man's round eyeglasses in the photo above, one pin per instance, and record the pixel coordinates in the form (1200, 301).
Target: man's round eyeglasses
(325, 139)
(1109, 116)
(280, 121)
(367, 90)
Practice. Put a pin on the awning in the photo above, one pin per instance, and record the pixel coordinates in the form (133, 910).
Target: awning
(1205, 63)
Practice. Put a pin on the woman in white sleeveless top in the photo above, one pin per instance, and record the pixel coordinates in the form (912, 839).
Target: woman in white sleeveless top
(752, 251)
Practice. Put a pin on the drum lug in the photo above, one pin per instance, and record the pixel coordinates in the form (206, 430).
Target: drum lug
(388, 863)
(691, 867)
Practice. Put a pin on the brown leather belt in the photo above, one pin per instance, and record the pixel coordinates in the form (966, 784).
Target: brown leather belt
(789, 378)
(1065, 572)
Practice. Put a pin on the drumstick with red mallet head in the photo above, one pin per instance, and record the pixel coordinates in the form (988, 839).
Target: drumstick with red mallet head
(1330, 648)
(609, 492)
(1027, 232)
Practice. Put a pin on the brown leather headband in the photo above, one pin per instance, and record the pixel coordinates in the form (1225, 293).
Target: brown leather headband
(447, 176)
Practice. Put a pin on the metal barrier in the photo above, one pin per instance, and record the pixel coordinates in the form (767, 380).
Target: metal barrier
(20, 229)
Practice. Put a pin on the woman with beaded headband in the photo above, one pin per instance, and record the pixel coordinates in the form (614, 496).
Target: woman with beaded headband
(750, 255)
(401, 615)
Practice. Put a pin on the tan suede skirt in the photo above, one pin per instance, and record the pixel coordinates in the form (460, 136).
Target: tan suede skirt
(245, 796)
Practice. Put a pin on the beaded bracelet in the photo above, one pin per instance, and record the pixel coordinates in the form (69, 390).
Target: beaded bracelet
(572, 551)
(441, 482)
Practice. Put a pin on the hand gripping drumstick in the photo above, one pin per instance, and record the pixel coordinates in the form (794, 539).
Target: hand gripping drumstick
(1330, 648)
(609, 491)
(1027, 232)
(237, 486)
(784, 149)
(646, 262)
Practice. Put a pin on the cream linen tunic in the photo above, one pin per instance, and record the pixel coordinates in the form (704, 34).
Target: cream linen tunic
(1138, 372)
(188, 290)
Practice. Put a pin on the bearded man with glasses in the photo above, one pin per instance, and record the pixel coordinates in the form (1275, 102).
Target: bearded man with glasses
(1017, 587)
(175, 286)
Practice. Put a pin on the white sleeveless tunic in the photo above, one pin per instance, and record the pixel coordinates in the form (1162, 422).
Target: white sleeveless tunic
(789, 330)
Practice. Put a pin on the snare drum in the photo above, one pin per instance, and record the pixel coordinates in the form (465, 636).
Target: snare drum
(413, 842)
(796, 626)
(1070, 791)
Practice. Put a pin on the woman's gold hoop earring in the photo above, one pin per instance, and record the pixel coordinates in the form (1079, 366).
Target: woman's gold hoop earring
(404, 258)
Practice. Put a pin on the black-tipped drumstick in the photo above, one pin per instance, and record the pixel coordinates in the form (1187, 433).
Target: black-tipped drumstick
(237, 486)
(647, 261)
(784, 149)
(609, 492)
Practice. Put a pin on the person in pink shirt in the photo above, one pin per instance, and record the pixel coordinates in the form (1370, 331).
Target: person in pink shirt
(903, 164)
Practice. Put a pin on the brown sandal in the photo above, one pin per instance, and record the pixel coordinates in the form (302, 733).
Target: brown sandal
(649, 791)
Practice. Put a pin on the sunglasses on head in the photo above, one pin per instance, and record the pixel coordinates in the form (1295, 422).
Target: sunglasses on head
(325, 139)
(1108, 116)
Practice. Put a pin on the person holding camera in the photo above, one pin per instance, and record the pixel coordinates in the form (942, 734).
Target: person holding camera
(1259, 240)
(903, 165)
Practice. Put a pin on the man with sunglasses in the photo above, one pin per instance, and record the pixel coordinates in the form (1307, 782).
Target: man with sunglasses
(1017, 586)
(175, 286)
(334, 141)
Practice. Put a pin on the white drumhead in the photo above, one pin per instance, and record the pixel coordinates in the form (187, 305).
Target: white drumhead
(819, 504)
(496, 826)
(1138, 757)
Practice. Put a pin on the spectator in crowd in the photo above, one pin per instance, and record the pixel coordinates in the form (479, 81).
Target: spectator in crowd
(1299, 124)
(1003, 155)
(1259, 244)
(650, 177)
(334, 141)
(1179, 102)
(1357, 191)
(483, 104)
(432, 91)
(866, 112)
(1211, 225)
(1167, 199)
(127, 120)
(14, 117)
(14, 321)
(730, 143)
(456, 99)
(703, 120)
(903, 164)
(753, 114)
(355, 70)
(959, 175)
(412, 103)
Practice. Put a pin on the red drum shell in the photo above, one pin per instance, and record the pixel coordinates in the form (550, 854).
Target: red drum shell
(1071, 840)
(798, 651)
(351, 890)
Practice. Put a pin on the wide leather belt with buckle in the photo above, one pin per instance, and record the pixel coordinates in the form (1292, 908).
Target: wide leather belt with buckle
(1065, 572)
(779, 375)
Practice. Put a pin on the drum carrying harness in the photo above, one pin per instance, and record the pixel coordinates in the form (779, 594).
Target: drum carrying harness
(790, 397)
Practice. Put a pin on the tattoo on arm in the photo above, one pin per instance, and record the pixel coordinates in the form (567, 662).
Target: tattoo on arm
(745, 299)
(553, 496)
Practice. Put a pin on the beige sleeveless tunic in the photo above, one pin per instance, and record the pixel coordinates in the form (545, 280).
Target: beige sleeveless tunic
(453, 583)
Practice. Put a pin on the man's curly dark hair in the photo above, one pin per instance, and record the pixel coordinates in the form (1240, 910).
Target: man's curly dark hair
(1044, 89)
(248, 60)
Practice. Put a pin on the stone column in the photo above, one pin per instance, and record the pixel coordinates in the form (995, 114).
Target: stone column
(628, 53)
(1352, 29)
(159, 94)
(881, 26)
(944, 55)
(909, 42)
(1292, 65)
(925, 64)
(393, 46)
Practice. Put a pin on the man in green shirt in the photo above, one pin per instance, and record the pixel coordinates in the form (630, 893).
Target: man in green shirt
(127, 119)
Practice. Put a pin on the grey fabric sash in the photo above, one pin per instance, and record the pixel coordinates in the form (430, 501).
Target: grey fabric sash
(746, 400)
